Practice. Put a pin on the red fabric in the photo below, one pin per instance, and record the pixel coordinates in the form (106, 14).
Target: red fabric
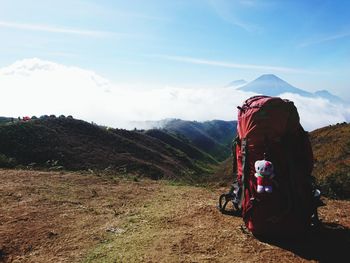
(264, 181)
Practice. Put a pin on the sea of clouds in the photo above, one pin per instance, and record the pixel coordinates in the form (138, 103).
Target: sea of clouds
(36, 87)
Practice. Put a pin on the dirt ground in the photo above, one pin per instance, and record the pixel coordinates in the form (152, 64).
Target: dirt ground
(73, 217)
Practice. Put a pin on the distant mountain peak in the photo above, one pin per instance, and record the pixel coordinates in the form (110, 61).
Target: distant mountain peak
(323, 91)
(325, 94)
(270, 84)
(237, 83)
(269, 76)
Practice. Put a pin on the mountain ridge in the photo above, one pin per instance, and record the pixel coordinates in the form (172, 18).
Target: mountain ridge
(78, 145)
(213, 137)
(237, 83)
(272, 85)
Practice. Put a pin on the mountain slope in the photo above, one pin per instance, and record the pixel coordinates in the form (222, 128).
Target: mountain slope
(237, 83)
(212, 137)
(180, 144)
(77, 145)
(331, 147)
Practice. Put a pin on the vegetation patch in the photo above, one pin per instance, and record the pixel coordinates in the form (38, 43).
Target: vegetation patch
(331, 148)
(336, 185)
(7, 162)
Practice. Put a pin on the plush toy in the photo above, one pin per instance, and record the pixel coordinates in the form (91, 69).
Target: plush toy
(264, 174)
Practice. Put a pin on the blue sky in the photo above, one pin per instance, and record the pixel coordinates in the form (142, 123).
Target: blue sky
(185, 42)
(153, 59)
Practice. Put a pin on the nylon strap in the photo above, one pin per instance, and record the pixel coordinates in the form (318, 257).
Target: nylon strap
(244, 159)
(234, 157)
(234, 163)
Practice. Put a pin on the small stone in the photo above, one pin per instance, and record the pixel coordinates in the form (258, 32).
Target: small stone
(115, 230)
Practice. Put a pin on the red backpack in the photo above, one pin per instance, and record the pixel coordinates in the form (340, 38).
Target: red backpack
(273, 161)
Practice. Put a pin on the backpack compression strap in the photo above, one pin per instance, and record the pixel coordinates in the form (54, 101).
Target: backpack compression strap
(234, 158)
(234, 194)
(244, 169)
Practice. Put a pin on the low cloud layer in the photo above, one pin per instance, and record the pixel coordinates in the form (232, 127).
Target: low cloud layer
(36, 87)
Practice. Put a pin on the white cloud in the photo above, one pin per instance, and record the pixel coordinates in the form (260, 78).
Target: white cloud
(224, 64)
(318, 112)
(323, 39)
(228, 11)
(53, 29)
(37, 87)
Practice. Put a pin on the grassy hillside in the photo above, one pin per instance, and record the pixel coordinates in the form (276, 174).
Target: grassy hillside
(331, 147)
(181, 144)
(213, 137)
(78, 145)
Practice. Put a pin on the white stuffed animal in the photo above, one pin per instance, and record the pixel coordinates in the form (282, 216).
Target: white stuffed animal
(264, 174)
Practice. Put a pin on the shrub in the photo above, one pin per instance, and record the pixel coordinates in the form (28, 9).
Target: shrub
(337, 185)
(6, 162)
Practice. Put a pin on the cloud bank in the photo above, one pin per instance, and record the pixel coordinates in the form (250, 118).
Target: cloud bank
(37, 87)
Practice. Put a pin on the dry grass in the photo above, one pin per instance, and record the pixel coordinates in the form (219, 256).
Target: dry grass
(54, 217)
(57, 217)
(331, 147)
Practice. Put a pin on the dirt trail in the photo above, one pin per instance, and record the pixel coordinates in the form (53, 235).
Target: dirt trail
(70, 217)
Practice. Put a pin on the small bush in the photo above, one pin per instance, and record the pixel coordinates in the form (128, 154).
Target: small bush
(337, 186)
(6, 162)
